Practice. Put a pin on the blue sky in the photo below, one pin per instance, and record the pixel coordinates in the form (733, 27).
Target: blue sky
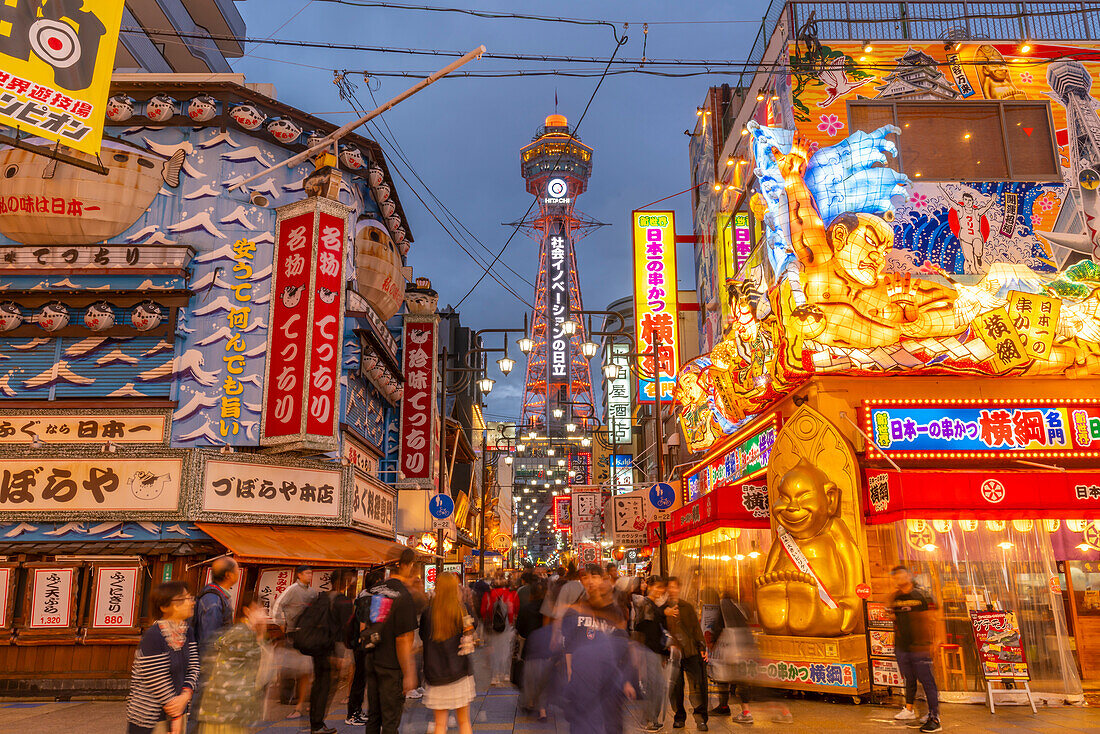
(463, 135)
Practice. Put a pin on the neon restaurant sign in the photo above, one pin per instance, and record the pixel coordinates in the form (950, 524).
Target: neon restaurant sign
(731, 464)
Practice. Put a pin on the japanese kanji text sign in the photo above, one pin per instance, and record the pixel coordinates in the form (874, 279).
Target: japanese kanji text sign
(619, 418)
(418, 409)
(302, 375)
(557, 301)
(25, 428)
(115, 600)
(1000, 649)
(655, 301)
(732, 463)
(994, 429)
(56, 58)
(374, 506)
(266, 489)
(51, 598)
(89, 485)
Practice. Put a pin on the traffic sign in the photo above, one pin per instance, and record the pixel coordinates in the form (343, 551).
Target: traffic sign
(441, 506)
(662, 496)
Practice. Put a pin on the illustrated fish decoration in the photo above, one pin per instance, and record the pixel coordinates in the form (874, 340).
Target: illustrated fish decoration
(283, 130)
(11, 317)
(202, 108)
(247, 116)
(99, 316)
(53, 316)
(120, 108)
(292, 295)
(147, 315)
(326, 295)
(160, 108)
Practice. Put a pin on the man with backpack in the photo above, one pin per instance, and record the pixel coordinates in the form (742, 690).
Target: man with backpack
(359, 651)
(387, 618)
(498, 612)
(319, 627)
(285, 612)
(213, 614)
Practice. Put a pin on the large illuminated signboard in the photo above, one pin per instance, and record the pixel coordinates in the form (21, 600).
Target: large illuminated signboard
(739, 460)
(558, 300)
(655, 303)
(618, 397)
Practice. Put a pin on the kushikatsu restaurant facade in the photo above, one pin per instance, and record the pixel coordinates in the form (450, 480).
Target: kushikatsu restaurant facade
(188, 371)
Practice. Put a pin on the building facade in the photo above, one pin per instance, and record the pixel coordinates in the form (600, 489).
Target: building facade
(909, 330)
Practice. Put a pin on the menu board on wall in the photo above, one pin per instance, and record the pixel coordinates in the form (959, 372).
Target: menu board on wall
(115, 605)
(272, 583)
(5, 595)
(1000, 647)
(880, 644)
(51, 598)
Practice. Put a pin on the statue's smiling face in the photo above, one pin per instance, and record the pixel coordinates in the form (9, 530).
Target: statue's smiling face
(805, 501)
(861, 245)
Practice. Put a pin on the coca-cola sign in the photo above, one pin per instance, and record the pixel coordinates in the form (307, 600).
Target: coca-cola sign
(302, 376)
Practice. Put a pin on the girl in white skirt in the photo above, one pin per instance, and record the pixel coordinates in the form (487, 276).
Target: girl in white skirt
(446, 629)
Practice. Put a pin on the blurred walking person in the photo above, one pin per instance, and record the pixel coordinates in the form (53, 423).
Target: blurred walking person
(498, 612)
(359, 653)
(166, 665)
(687, 639)
(320, 626)
(447, 628)
(536, 653)
(597, 660)
(649, 626)
(285, 612)
(233, 699)
(213, 614)
(913, 633)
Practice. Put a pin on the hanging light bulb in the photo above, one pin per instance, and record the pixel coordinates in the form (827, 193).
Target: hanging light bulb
(570, 427)
(485, 384)
(549, 452)
(558, 412)
(611, 370)
(520, 447)
(525, 344)
(507, 459)
(569, 327)
(589, 349)
(506, 364)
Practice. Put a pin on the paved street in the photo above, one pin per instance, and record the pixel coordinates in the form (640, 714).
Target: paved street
(496, 710)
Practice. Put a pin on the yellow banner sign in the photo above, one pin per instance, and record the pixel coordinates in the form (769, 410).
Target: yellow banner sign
(1000, 335)
(1035, 318)
(655, 302)
(83, 428)
(56, 58)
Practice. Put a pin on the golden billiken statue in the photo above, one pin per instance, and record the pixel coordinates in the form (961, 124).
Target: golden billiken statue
(808, 585)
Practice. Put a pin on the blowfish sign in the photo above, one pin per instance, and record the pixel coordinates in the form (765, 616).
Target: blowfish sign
(302, 375)
(418, 405)
(56, 58)
(655, 303)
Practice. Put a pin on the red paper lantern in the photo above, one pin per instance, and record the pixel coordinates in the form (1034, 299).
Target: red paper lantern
(618, 554)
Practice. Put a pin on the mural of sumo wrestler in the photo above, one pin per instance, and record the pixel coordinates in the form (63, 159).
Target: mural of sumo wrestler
(47, 202)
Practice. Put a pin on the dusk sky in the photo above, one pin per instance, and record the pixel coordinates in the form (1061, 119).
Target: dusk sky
(463, 135)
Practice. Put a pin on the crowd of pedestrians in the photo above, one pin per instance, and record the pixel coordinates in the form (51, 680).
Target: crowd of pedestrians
(578, 643)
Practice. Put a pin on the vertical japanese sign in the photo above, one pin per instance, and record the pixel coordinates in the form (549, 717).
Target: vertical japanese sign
(51, 598)
(655, 303)
(301, 377)
(742, 237)
(115, 597)
(56, 59)
(587, 516)
(418, 435)
(238, 321)
(619, 428)
(1035, 318)
(557, 301)
(272, 583)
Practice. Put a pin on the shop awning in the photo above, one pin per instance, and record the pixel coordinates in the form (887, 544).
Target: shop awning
(458, 446)
(293, 545)
(737, 505)
(994, 494)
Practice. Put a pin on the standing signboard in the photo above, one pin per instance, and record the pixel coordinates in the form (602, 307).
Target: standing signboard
(655, 301)
(302, 374)
(880, 644)
(1000, 652)
(56, 60)
(418, 409)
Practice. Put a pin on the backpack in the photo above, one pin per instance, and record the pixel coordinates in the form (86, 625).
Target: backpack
(196, 617)
(500, 614)
(371, 612)
(316, 634)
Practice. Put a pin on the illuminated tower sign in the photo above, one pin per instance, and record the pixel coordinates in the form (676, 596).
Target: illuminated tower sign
(556, 166)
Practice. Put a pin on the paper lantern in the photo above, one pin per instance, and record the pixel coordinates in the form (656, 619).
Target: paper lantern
(202, 108)
(916, 526)
(120, 108)
(160, 108)
(11, 317)
(995, 526)
(378, 269)
(283, 130)
(941, 526)
(46, 203)
(968, 525)
(1023, 526)
(1077, 526)
(1052, 525)
(247, 116)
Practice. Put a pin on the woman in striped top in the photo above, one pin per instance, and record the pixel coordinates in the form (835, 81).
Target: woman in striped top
(166, 665)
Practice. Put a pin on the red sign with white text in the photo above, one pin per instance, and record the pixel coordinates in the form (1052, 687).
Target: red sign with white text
(286, 355)
(980, 495)
(324, 362)
(418, 405)
(302, 374)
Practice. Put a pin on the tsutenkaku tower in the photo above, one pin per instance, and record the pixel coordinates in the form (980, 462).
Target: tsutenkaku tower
(556, 166)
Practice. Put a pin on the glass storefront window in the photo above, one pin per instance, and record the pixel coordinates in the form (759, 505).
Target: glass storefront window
(726, 560)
